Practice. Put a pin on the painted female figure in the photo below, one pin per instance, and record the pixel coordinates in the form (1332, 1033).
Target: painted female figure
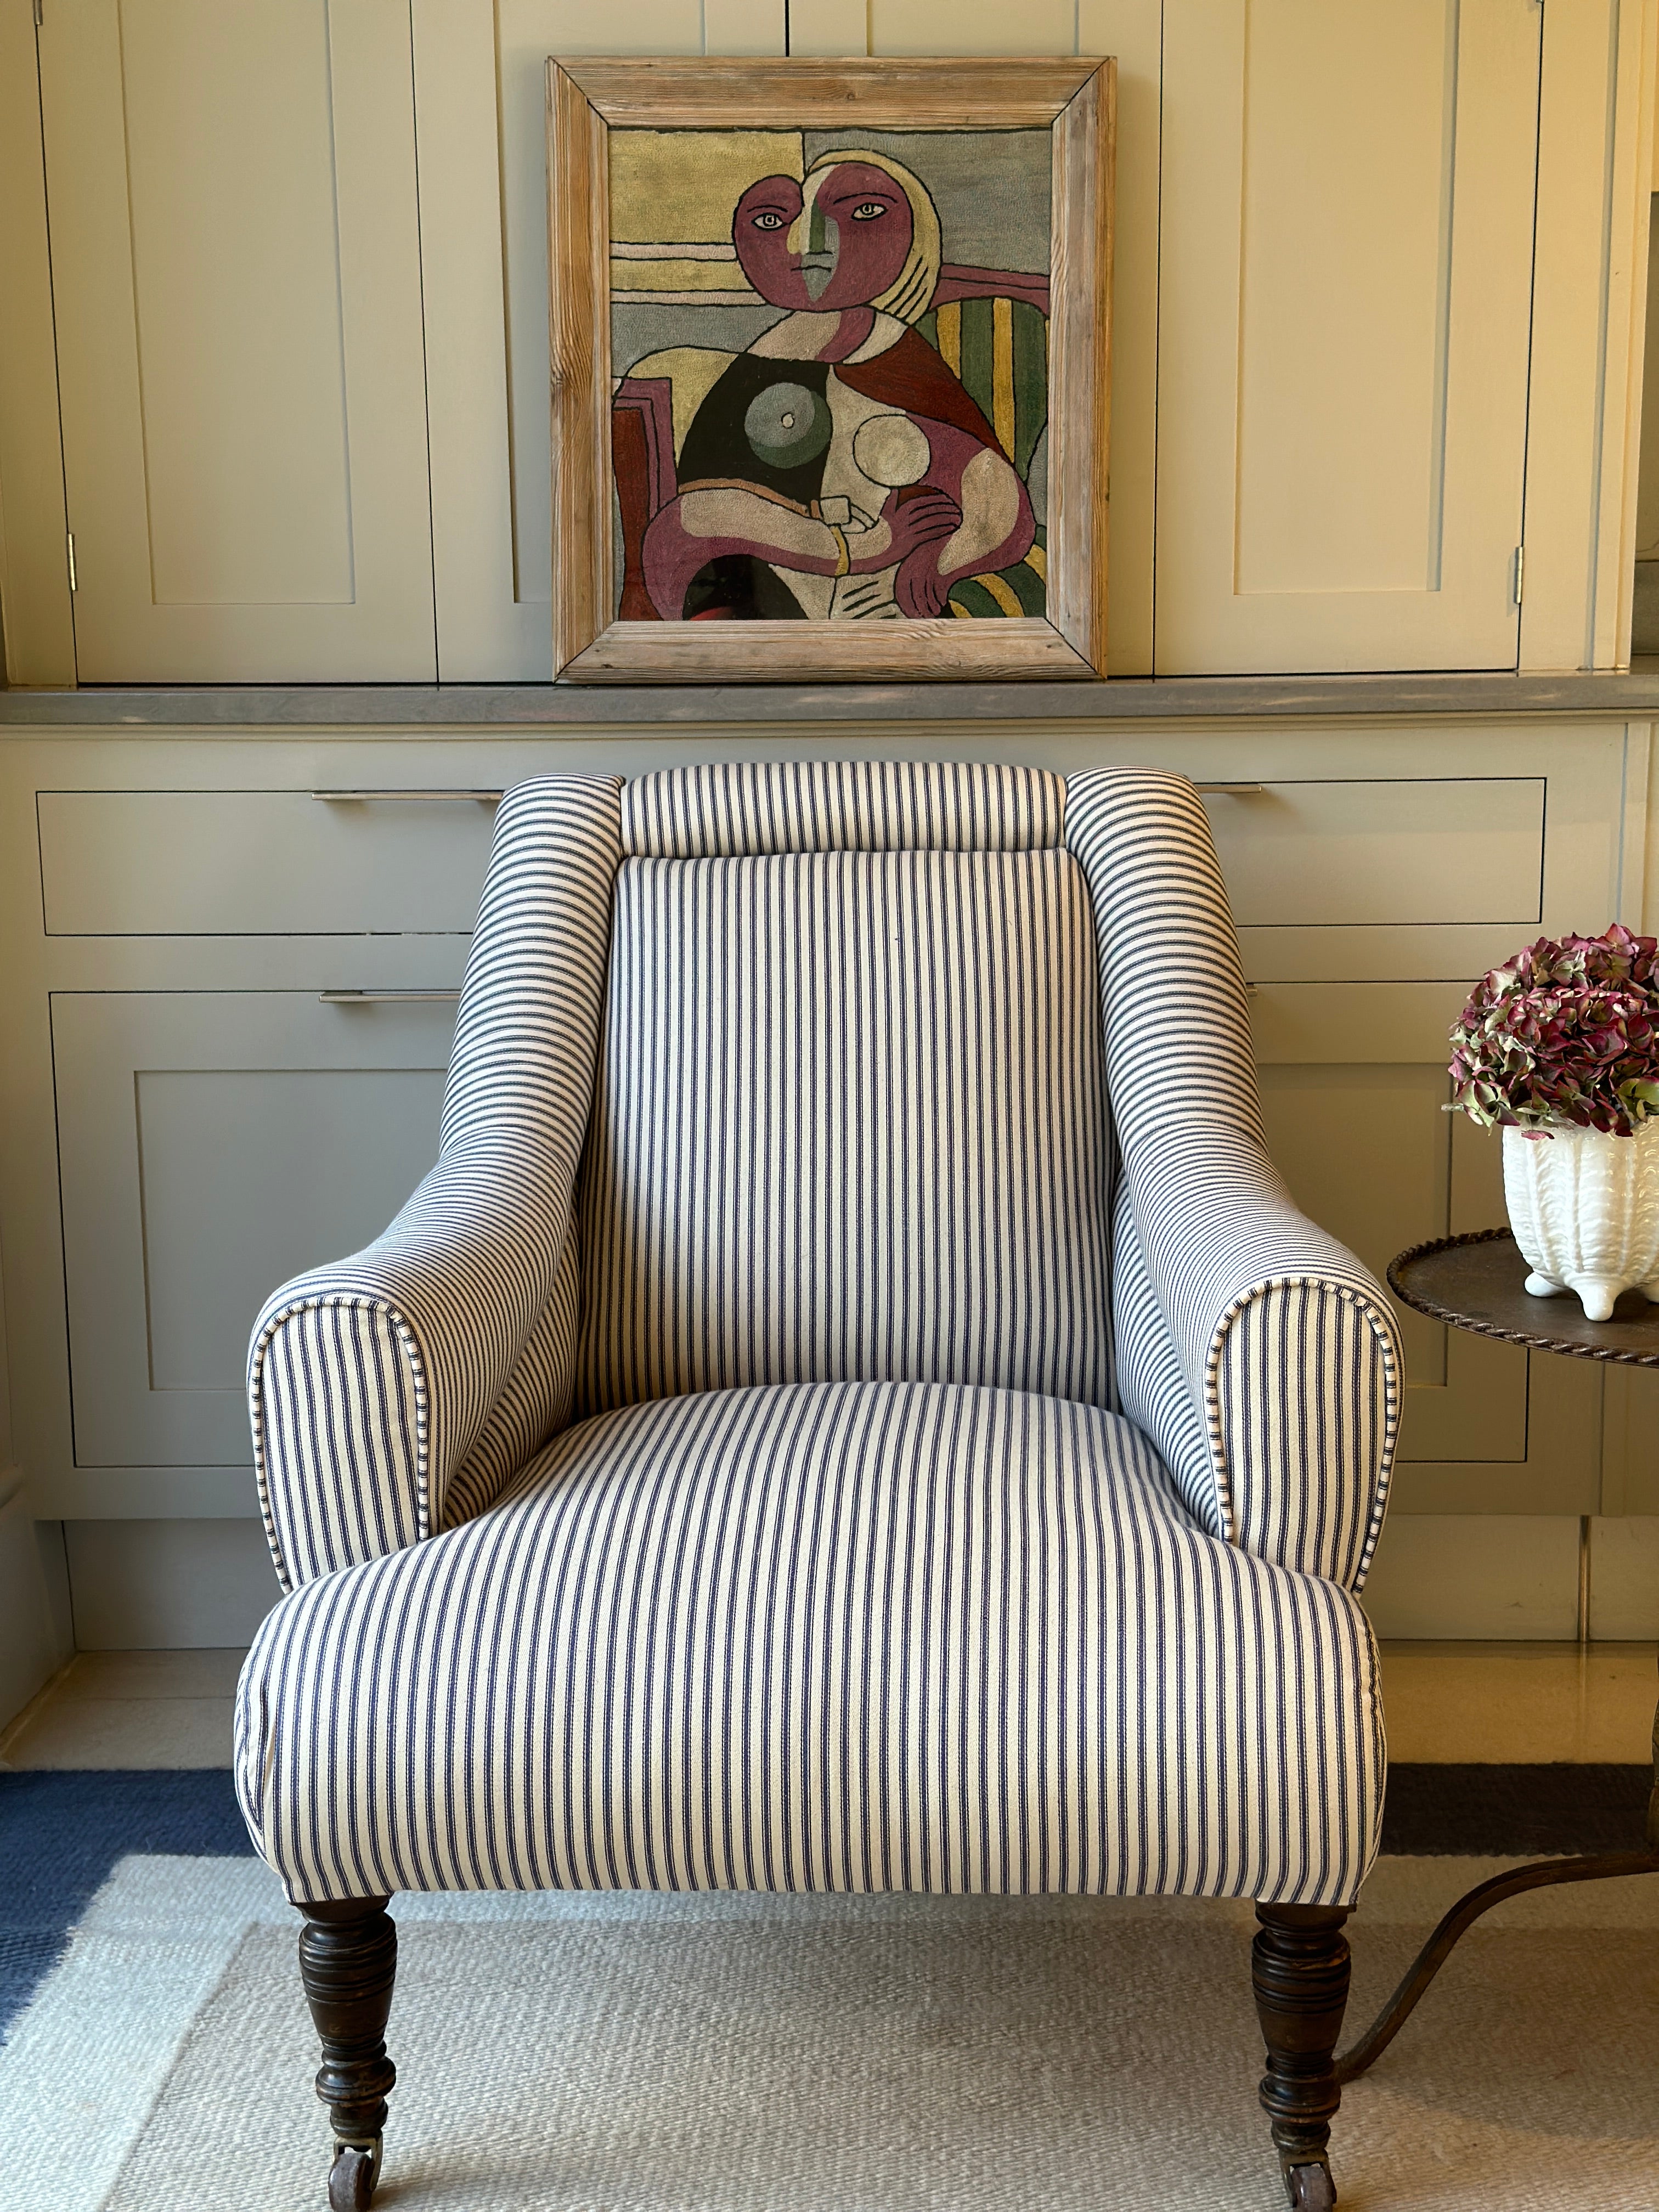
(837, 469)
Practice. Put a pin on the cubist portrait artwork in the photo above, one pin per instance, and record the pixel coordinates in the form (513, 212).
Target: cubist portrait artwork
(830, 356)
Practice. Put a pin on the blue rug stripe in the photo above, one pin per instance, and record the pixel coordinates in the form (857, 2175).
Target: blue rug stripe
(60, 1835)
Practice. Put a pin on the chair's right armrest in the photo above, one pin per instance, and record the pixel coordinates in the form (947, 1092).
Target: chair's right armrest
(1259, 1355)
(370, 1379)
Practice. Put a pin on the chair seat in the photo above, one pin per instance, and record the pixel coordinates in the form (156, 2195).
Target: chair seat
(853, 1636)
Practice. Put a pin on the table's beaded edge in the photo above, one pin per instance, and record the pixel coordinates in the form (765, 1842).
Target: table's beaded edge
(1530, 1339)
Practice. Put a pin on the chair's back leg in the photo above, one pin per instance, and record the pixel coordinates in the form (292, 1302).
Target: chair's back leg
(348, 1962)
(1299, 1971)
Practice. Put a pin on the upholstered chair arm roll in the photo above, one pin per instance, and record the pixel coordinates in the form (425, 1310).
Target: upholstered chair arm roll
(393, 1393)
(1258, 1354)
(1256, 1351)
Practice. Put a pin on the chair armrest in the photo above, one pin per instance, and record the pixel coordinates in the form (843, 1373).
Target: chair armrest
(369, 1380)
(1259, 1354)
(1252, 1348)
(394, 1393)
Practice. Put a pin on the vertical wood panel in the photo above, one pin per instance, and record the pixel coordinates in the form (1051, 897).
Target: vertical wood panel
(485, 634)
(1595, 153)
(236, 273)
(829, 27)
(35, 614)
(1342, 397)
(742, 27)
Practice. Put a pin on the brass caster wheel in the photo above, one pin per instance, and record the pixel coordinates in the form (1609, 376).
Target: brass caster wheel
(1309, 2187)
(352, 2176)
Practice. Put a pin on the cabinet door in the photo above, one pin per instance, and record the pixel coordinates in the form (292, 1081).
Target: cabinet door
(1345, 308)
(210, 1145)
(237, 285)
(1354, 1089)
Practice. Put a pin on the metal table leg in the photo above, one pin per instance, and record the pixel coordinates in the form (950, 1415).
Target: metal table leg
(1543, 1873)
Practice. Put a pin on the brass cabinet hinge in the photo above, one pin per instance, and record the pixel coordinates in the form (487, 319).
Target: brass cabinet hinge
(1520, 571)
(72, 560)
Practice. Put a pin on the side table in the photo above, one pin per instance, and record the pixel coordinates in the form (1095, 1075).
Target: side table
(1479, 1282)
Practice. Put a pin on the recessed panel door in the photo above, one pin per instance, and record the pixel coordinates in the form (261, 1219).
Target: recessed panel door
(1344, 321)
(211, 1144)
(236, 279)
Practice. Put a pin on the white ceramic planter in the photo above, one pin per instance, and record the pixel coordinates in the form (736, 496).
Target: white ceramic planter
(1584, 1208)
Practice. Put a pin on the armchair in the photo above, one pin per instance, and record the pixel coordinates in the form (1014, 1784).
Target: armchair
(852, 1407)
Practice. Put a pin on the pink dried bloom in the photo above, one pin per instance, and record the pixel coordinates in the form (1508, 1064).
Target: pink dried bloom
(1567, 1030)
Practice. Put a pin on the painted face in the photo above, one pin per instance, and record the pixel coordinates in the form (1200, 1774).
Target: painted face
(838, 242)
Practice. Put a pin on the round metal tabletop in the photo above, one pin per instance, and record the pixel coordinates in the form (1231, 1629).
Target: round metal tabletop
(1479, 1282)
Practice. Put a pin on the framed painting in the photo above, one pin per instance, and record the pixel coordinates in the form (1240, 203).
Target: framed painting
(830, 348)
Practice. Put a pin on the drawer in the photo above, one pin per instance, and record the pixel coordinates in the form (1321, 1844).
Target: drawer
(1322, 854)
(211, 1143)
(258, 863)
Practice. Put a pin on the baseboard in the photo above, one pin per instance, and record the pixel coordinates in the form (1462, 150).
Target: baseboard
(1623, 1578)
(34, 1641)
(1515, 1576)
(167, 1585)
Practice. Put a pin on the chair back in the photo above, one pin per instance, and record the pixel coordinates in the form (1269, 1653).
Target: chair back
(850, 1119)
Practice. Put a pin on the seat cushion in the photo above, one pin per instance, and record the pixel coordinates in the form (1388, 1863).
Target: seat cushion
(843, 1636)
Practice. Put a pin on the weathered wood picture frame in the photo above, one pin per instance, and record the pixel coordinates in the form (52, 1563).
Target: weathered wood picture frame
(914, 329)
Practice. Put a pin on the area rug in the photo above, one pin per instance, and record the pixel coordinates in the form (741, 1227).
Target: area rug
(752, 2054)
(61, 1833)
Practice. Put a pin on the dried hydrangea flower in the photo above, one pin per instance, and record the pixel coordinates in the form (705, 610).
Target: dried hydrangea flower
(1566, 1030)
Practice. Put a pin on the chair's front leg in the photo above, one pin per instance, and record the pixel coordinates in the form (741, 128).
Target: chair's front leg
(1299, 1971)
(348, 1962)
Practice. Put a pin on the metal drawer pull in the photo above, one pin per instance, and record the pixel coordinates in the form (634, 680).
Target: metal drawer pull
(387, 998)
(1232, 790)
(356, 798)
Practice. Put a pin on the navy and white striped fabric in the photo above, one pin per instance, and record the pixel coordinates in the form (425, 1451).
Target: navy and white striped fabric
(717, 810)
(835, 1636)
(850, 1124)
(855, 1577)
(1253, 1349)
(403, 1386)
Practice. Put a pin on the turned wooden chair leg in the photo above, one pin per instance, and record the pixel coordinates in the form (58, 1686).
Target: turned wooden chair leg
(348, 1961)
(1299, 1971)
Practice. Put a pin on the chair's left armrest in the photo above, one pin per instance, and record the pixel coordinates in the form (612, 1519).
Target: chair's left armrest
(1262, 1355)
(395, 1393)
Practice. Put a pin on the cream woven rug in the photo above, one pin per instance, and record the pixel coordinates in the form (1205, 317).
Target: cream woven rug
(725, 2054)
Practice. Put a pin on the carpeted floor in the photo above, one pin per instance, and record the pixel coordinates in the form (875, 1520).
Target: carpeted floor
(832, 2055)
(60, 1835)
(741, 2054)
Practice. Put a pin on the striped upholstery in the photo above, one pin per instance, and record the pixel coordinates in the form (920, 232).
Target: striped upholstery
(1256, 1353)
(843, 1636)
(949, 1505)
(850, 1122)
(840, 806)
(406, 1384)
